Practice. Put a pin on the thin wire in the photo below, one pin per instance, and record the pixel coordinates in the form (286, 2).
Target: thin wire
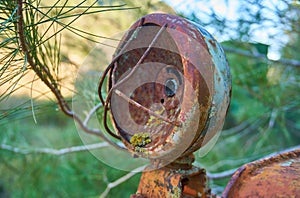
(126, 78)
(105, 103)
(146, 53)
(111, 66)
(133, 102)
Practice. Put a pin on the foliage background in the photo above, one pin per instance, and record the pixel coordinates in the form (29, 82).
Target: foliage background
(263, 116)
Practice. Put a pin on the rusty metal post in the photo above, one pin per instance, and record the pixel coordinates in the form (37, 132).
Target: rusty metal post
(174, 181)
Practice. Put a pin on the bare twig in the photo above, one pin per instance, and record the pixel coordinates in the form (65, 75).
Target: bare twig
(238, 128)
(92, 111)
(221, 175)
(232, 162)
(121, 180)
(273, 118)
(283, 61)
(297, 147)
(52, 151)
(228, 173)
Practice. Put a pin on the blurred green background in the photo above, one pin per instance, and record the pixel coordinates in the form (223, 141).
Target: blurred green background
(263, 117)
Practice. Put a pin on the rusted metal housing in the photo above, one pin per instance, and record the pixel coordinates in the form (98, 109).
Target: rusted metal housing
(167, 125)
(185, 53)
(278, 176)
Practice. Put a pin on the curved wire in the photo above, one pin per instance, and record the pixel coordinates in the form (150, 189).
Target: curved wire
(111, 65)
(113, 88)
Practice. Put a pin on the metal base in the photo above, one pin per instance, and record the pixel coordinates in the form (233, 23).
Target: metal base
(173, 183)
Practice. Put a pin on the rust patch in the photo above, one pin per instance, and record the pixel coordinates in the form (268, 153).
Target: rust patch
(174, 183)
(278, 176)
(212, 43)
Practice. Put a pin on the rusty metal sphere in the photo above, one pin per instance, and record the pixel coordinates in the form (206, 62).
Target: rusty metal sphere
(170, 87)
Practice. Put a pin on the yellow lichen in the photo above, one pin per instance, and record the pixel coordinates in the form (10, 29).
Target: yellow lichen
(140, 139)
(153, 120)
(175, 193)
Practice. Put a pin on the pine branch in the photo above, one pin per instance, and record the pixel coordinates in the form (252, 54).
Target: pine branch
(42, 71)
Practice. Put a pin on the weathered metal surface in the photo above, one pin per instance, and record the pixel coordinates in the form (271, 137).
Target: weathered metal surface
(278, 176)
(184, 79)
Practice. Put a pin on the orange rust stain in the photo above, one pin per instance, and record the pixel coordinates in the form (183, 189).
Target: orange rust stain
(213, 43)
